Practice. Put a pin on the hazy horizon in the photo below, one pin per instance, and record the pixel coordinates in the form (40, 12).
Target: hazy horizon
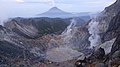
(14, 8)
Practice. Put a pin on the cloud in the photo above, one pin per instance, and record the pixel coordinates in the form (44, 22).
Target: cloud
(38, 1)
(49, 2)
(19, 0)
(84, 1)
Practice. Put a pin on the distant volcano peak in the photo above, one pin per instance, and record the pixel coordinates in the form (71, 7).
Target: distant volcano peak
(56, 12)
(54, 8)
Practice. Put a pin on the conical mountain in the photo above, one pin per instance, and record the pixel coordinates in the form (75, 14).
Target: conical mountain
(55, 12)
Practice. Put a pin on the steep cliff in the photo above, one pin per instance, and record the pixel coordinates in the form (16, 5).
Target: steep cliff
(100, 24)
(108, 29)
(112, 12)
(114, 28)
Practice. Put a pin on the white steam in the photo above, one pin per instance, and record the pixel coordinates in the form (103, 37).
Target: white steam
(93, 29)
(67, 35)
(3, 19)
(70, 28)
(62, 49)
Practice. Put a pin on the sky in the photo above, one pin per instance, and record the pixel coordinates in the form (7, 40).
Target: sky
(12, 8)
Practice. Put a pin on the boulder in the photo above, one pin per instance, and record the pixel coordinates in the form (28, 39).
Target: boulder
(99, 53)
(100, 65)
(116, 54)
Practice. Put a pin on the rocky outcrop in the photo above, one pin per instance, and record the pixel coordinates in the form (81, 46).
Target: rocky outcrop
(103, 20)
(111, 12)
(114, 8)
(36, 27)
(108, 24)
(107, 46)
(29, 39)
(13, 46)
(114, 28)
(38, 38)
(9, 50)
(114, 57)
(116, 45)
(80, 39)
(100, 24)
(111, 59)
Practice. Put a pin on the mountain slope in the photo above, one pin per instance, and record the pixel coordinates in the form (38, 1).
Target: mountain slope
(36, 27)
(56, 12)
(108, 27)
(114, 28)
(112, 12)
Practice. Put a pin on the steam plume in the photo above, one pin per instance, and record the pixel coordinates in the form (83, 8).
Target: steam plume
(94, 31)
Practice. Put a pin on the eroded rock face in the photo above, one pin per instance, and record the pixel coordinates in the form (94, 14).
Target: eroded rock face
(114, 8)
(114, 28)
(69, 44)
(107, 46)
(113, 55)
(18, 33)
(13, 46)
(116, 45)
(103, 21)
(99, 25)
(116, 54)
(80, 38)
(78, 41)
(112, 12)
(9, 50)
(108, 24)
(37, 27)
